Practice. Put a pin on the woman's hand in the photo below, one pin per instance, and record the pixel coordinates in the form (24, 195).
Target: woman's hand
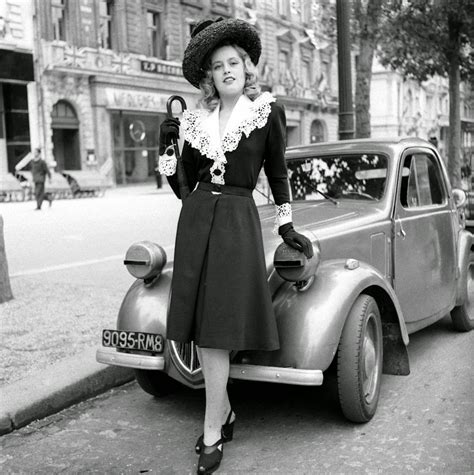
(296, 240)
(169, 130)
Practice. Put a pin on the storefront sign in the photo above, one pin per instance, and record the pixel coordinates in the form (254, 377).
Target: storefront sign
(160, 68)
(136, 101)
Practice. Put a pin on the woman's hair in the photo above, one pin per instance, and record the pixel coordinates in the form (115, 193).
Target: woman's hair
(210, 96)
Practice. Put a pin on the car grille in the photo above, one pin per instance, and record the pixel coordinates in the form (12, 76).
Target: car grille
(186, 358)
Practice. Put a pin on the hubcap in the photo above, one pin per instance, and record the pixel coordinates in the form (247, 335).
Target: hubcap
(370, 359)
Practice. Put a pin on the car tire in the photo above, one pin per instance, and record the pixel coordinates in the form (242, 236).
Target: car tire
(463, 316)
(156, 383)
(359, 361)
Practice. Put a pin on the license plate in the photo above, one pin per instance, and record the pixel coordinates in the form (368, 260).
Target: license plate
(125, 340)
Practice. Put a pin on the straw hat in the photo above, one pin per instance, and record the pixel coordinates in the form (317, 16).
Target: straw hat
(210, 33)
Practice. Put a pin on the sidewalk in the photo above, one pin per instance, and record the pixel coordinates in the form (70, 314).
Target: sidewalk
(48, 336)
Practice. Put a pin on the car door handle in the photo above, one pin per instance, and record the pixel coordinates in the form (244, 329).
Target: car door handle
(401, 232)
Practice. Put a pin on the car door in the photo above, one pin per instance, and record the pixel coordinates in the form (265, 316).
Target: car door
(424, 239)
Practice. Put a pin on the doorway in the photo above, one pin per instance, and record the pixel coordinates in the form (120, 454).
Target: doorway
(66, 148)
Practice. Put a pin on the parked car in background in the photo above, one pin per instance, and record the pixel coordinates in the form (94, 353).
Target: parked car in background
(391, 257)
(469, 209)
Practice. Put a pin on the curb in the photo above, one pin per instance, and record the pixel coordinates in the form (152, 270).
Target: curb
(61, 385)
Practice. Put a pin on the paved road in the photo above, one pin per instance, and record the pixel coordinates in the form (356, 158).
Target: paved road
(84, 240)
(424, 424)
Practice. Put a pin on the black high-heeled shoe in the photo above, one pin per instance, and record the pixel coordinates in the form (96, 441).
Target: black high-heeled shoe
(227, 433)
(209, 462)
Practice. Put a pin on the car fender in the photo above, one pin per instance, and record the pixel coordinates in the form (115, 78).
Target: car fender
(465, 242)
(310, 323)
(145, 306)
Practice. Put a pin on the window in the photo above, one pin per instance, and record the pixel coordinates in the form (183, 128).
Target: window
(306, 67)
(58, 12)
(317, 132)
(421, 183)
(283, 66)
(156, 42)
(306, 12)
(282, 8)
(358, 176)
(105, 27)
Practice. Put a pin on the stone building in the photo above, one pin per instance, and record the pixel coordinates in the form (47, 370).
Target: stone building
(408, 108)
(18, 124)
(105, 69)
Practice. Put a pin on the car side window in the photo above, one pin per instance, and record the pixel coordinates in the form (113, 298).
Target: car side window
(421, 182)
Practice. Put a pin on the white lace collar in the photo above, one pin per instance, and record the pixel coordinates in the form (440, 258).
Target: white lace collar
(201, 130)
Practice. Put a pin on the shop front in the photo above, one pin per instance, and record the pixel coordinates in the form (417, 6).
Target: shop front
(135, 118)
(16, 71)
(136, 144)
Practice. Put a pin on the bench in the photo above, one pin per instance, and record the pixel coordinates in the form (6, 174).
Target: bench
(86, 183)
(11, 188)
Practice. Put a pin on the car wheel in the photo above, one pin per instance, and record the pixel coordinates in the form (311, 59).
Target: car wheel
(463, 316)
(359, 363)
(156, 383)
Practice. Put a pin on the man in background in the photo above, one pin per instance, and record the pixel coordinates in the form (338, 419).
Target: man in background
(40, 170)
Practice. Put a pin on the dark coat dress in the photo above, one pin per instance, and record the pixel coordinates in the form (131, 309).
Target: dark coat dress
(220, 296)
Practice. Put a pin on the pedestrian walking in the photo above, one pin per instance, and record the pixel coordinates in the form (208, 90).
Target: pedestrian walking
(220, 297)
(39, 170)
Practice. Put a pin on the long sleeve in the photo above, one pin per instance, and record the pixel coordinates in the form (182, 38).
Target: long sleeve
(191, 168)
(275, 165)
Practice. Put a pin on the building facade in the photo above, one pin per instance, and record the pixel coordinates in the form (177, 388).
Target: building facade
(18, 104)
(408, 108)
(105, 69)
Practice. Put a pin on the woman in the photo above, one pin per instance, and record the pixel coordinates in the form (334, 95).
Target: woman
(220, 297)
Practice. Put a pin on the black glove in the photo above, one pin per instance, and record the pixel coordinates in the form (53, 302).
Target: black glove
(169, 129)
(296, 240)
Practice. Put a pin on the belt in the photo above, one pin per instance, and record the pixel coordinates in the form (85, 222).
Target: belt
(226, 189)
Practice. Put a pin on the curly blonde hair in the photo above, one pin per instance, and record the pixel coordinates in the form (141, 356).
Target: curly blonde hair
(210, 97)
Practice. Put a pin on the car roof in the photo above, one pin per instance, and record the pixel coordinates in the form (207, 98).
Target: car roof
(371, 145)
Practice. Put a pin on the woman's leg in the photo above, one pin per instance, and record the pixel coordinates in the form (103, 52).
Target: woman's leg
(215, 366)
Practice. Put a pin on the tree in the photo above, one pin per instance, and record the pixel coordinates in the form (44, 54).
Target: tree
(423, 38)
(5, 289)
(367, 18)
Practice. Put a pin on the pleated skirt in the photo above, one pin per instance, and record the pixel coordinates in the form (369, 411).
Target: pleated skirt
(219, 294)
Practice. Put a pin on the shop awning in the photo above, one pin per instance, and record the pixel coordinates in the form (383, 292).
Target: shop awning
(16, 66)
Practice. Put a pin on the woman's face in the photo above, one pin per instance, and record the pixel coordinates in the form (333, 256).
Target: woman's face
(228, 73)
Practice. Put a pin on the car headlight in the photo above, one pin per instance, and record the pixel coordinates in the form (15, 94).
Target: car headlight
(145, 260)
(293, 266)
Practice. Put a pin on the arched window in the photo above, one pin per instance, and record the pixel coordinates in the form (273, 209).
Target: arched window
(64, 116)
(317, 131)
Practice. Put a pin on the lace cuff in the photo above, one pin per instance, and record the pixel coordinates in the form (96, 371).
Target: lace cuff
(283, 216)
(167, 162)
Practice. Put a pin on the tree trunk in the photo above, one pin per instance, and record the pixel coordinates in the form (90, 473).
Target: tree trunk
(362, 89)
(454, 136)
(5, 289)
(369, 24)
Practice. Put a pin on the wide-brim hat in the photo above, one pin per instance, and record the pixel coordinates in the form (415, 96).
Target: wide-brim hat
(210, 33)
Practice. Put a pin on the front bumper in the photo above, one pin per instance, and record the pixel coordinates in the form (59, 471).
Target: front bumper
(268, 374)
(112, 357)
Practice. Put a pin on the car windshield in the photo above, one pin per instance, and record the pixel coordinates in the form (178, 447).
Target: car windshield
(352, 177)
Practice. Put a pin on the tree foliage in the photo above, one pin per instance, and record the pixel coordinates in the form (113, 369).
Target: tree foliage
(423, 38)
(416, 38)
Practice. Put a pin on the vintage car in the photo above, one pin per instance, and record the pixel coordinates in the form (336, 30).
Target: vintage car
(391, 257)
(469, 208)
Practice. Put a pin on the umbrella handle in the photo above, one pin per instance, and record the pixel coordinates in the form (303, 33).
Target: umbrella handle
(182, 182)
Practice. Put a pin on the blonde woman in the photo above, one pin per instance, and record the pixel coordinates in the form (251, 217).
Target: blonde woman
(220, 297)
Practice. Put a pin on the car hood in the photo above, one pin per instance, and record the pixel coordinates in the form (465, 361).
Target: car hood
(317, 218)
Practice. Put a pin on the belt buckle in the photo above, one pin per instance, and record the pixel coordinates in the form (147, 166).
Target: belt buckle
(218, 188)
